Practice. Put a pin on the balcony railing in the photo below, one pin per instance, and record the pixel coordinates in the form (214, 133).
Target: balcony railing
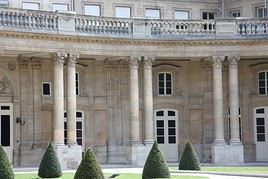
(72, 24)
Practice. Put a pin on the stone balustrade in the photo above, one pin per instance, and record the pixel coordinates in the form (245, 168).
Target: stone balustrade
(14, 18)
(252, 27)
(134, 28)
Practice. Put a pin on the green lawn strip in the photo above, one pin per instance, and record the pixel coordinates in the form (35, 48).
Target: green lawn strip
(234, 170)
(121, 176)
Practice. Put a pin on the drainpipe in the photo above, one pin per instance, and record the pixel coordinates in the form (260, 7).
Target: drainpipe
(222, 9)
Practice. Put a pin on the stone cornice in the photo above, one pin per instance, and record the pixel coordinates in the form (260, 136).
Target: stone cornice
(122, 41)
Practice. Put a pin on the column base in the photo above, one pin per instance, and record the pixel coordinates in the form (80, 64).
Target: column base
(69, 157)
(149, 141)
(227, 155)
(138, 154)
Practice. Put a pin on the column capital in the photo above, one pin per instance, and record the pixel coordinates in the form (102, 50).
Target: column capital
(59, 57)
(233, 60)
(148, 60)
(217, 61)
(72, 59)
(134, 61)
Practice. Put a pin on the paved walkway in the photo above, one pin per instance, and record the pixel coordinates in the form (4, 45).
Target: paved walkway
(127, 169)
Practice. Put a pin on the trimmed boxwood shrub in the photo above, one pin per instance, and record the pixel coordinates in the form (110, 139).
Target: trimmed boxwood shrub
(189, 159)
(50, 165)
(6, 170)
(155, 165)
(89, 167)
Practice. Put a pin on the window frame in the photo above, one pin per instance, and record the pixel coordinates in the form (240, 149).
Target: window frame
(59, 3)
(123, 6)
(152, 8)
(265, 82)
(208, 11)
(264, 13)
(181, 10)
(231, 13)
(89, 4)
(46, 82)
(77, 87)
(30, 2)
(165, 87)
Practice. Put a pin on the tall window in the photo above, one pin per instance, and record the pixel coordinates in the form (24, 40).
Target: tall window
(60, 7)
(77, 84)
(181, 15)
(208, 15)
(92, 10)
(79, 128)
(261, 12)
(263, 82)
(235, 14)
(31, 6)
(165, 83)
(122, 12)
(152, 13)
(46, 88)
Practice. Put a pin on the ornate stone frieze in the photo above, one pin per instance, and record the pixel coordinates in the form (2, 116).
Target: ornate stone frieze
(217, 61)
(233, 60)
(5, 87)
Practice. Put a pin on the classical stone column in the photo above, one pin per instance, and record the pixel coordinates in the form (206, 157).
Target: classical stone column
(148, 100)
(218, 99)
(134, 99)
(234, 98)
(58, 100)
(71, 100)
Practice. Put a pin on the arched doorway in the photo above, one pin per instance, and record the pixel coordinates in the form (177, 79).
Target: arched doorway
(166, 132)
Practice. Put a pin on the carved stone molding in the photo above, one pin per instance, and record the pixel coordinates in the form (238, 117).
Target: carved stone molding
(233, 60)
(72, 59)
(134, 61)
(59, 58)
(217, 61)
(148, 61)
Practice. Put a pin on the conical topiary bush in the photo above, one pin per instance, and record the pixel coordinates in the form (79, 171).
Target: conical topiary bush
(50, 165)
(189, 159)
(6, 170)
(155, 165)
(89, 167)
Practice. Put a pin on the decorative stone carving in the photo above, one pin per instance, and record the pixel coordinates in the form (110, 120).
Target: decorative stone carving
(36, 63)
(12, 65)
(134, 61)
(59, 58)
(5, 87)
(233, 60)
(72, 59)
(147, 62)
(23, 62)
(217, 61)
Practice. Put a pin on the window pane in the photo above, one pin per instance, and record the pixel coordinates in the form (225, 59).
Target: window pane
(172, 140)
(160, 140)
(60, 7)
(65, 114)
(92, 10)
(160, 113)
(46, 88)
(152, 13)
(65, 125)
(78, 114)
(260, 111)
(161, 76)
(123, 12)
(261, 90)
(171, 123)
(262, 75)
(78, 125)
(261, 137)
(211, 15)
(159, 123)
(79, 141)
(79, 133)
(168, 77)
(30, 6)
(5, 107)
(160, 132)
(161, 84)
(182, 15)
(168, 91)
(161, 91)
(171, 113)
(172, 131)
(261, 83)
(260, 121)
(260, 129)
(205, 15)
(168, 84)
(5, 130)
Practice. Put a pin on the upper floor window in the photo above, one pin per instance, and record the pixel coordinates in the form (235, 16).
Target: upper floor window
(60, 7)
(4, 3)
(152, 13)
(46, 88)
(122, 12)
(208, 15)
(235, 14)
(263, 82)
(165, 83)
(31, 6)
(77, 83)
(261, 12)
(92, 10)
(181, 15)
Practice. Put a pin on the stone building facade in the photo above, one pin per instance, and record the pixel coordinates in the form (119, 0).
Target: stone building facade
(117, 75)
